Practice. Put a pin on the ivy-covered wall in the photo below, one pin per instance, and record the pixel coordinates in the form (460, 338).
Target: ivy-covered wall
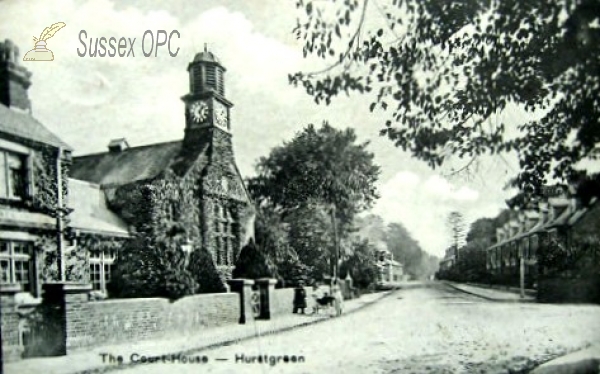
(180, 202)
(40, 195)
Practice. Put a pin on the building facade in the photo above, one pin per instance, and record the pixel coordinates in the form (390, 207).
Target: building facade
(390, 271)
(557, 226)
(67, 219)
(34, 166)
(192, 186)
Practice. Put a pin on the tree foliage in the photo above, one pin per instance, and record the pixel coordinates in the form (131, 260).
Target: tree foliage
(151, 268)
(205, 273)
(253, 264)
(456, 224)
(397, 239)
(311, 237)
(443, 70)
(417, 263)
(319, 165)
(361, 264)
(299, 185)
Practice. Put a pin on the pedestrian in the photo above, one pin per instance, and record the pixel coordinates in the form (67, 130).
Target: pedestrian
(339, 299)
(299, 298)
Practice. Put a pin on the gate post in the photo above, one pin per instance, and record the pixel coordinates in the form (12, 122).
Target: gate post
(10, 347)
(64, 300)
(244, 288)
(266, 287)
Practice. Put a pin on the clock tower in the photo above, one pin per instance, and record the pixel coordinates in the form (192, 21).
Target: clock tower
(206, 108)
(226, 211)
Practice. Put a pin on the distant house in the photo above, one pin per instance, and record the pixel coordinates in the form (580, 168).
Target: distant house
(449, 259)
(559, 220)
(389, 270)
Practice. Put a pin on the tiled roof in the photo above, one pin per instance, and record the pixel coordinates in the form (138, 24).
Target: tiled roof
(127, 166)
(90, 212)
(23, 125)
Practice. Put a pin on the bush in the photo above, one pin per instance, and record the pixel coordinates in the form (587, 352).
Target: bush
(205, 273)
(252, 264)
(147, 268)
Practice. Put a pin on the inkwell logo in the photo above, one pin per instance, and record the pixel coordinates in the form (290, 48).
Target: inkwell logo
(40, 52)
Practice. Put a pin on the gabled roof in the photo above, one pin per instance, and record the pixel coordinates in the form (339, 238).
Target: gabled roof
(90, 212)
(23, 125)
(127, 166)
(118, 168)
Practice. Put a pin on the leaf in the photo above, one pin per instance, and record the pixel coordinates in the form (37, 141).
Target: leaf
(50, 31)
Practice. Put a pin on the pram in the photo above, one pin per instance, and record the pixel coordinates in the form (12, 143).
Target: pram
(324, 302)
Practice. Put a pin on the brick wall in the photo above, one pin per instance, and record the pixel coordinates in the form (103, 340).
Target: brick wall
(282, 301)
(10, 328)
(128, 320)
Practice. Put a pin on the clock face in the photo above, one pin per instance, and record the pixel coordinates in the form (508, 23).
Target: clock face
(221, 116)
(198, 111)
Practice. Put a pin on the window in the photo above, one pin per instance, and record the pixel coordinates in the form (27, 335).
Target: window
(224, 235)
(16, 264)
(101, 264)
(13, 175)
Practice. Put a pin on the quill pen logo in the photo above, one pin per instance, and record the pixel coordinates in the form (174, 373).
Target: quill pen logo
(40, 52)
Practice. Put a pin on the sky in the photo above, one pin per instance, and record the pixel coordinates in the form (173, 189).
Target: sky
(88, 101)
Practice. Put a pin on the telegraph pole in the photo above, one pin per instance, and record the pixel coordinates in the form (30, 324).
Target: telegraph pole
(335, 243)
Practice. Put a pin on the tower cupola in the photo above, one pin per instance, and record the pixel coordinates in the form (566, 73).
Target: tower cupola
(206, 74)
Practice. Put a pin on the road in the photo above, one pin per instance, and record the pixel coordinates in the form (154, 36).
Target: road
(433, 329)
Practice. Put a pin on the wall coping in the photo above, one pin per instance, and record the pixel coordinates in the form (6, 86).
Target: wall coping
(248, 282)
(70, 287)
(270, 281)
(163, 299)
(10, 288)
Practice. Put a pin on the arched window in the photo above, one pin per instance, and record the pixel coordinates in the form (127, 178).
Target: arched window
(224, 224)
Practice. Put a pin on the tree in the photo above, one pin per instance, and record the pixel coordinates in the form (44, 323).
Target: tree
(482, 232)
(203, 268)
(323, 166)
(406, 250)
(151, 268)
(253, 264)
(311, 237)
(361, 265)
(302, 181)
(456, 224)
(444, 70)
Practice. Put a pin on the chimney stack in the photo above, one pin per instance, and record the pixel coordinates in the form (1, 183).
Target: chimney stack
(15, 79)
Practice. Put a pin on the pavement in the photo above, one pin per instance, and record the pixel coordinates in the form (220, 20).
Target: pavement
(491, 294)
(106, 358)
(585, 361)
